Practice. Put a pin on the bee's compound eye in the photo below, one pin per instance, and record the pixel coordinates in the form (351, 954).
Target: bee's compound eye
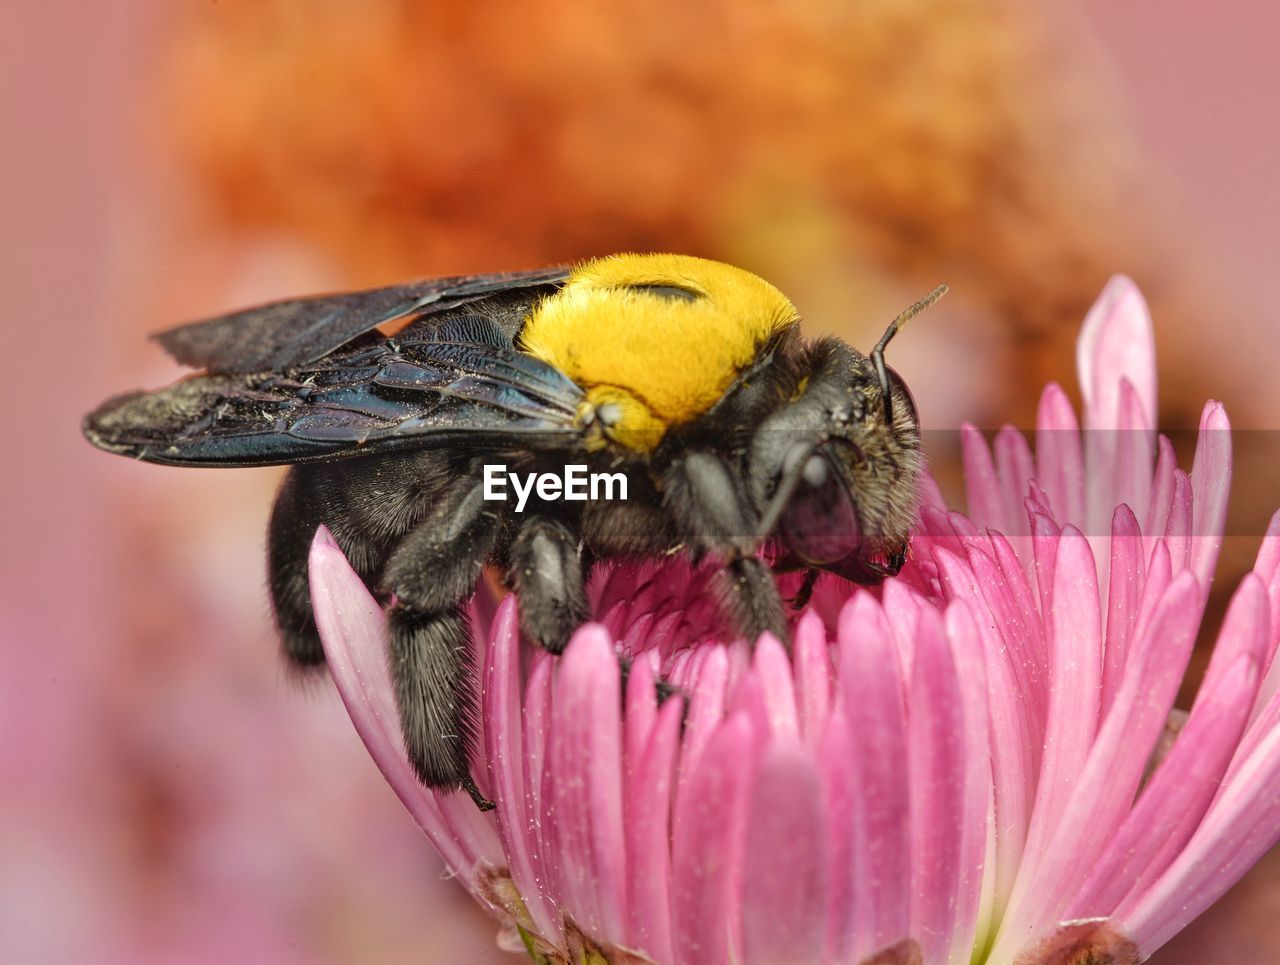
(820, 523)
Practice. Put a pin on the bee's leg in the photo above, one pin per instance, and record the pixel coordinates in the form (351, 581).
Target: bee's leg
(873, 572)
(805, 593)
(293, 523)
(307, 498)
(432, 572)
(663, 689)
(546, 569)
(897, 559)
(749, 596)
(712, 511)
(548, 572)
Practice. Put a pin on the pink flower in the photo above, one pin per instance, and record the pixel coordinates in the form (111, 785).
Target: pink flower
(957, 766)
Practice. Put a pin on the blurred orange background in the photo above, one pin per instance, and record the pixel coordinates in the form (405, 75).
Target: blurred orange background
(167, 794)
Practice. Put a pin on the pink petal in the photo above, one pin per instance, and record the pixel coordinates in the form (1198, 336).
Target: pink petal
(1016, 468)
(353, 629)
(813, 677)
(1126, 578)
(665, 631)
(638, 636)
(710, 828)
(1159, 576)
(1210, 487)
(784, 892)
(1059, 458)
(648, 830)
(537, 773)
(901, 609)
(1116, 343)
(746, 699)
(642, 705)
(641, 602)
(982, 484)
(1175, 799)
(1021, 642)
(964, 527)
(1015, 747)
(1019, 589)
(1177, 532)
(1240, 827)
(956, 579)
(706, 709)
(974, 801)
(1157, 519)
(773, 670)
(982, 584)
(936, 524)
(872, 698)
(1135, 453)
(1268, 562)
(936, 761)
(614, 617)
(504, 750)
(1101, 794)
(739, 654)
(585, 756)
(1075, 673)
(1264, 719)
(1265, 713)
(611, 583)
(1036, 500)
(1268, 568)
(1173, 803)
(679, 670)
(1246, 631)
(1045, 536)
(836, 766)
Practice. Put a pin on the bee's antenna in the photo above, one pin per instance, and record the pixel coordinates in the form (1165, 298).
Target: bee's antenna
(897, 325)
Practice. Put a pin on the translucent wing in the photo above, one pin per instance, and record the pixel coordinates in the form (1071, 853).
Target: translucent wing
(300, 331)
(461, 382)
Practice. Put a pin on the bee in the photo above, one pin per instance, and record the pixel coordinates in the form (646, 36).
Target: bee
(739, 441)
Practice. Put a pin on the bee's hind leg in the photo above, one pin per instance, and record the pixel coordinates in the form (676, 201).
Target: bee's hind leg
(432, 572)
(311, 496)
(307, 499)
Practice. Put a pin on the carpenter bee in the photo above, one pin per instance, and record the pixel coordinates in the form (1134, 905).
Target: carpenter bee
(737, 440)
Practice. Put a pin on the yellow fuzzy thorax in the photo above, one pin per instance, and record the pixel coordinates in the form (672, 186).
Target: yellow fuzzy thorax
(645, 358)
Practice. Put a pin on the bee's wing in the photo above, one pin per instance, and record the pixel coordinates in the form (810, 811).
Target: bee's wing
(461, 384)
(299, 331)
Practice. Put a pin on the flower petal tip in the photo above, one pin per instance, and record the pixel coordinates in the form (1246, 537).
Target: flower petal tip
(1116, 342)
(1214, 416)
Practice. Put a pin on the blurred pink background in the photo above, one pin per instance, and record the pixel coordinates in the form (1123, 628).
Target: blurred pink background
(165, 794)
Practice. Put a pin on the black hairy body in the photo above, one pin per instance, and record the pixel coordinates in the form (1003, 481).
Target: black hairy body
(811, 450)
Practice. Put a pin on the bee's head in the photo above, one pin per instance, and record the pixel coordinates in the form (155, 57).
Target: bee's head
(835, 471)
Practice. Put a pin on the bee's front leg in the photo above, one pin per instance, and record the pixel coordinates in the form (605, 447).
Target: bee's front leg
(870, 572)
(713, 512)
